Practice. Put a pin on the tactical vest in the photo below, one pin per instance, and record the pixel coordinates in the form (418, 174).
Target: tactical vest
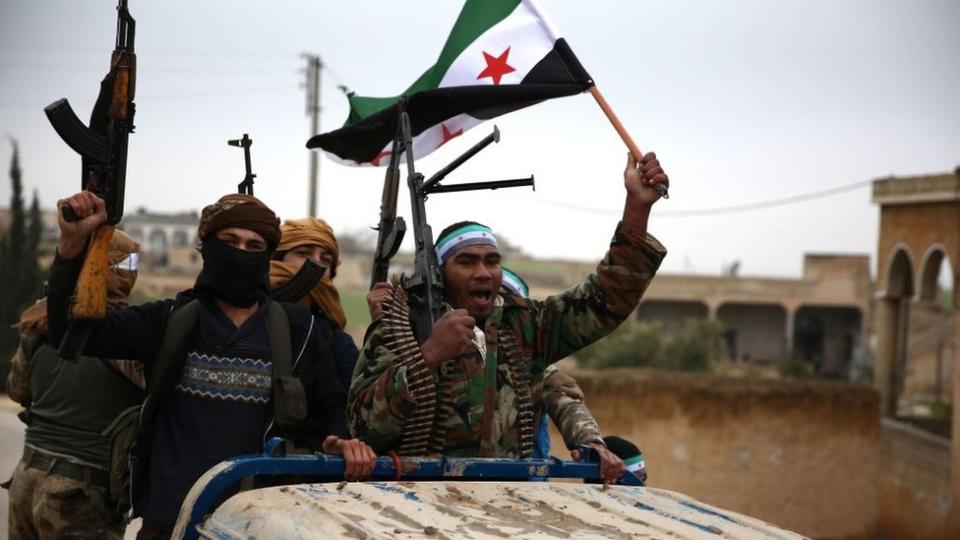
(73, 404)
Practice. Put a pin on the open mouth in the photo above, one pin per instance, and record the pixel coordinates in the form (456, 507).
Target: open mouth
(481, 296)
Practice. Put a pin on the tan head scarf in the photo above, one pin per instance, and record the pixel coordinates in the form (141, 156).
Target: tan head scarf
(310, 231)
(120, 281)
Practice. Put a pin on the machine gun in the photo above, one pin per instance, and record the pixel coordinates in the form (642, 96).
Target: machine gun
(425, 286)
(246, 142)
(103, 155)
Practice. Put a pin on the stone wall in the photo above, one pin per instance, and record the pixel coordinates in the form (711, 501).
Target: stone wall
(801, 455)
(914, 482)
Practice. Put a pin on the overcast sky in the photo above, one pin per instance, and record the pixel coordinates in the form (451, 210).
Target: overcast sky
(743, 101)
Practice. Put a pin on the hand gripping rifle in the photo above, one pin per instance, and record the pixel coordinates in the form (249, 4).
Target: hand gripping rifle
(103, 154)
(425, 287)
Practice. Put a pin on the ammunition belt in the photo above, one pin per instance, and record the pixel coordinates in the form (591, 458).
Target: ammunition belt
(424, 432)
(400, 340)
(520, 377)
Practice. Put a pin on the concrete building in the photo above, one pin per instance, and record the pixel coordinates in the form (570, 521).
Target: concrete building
(821, 318)
(919, 233)
(168, 241)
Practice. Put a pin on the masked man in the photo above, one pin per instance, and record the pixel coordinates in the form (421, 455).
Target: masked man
(226, 366)
(313, 239)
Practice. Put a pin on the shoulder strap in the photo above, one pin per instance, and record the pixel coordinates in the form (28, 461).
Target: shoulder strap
(289, 397)
(278, 327)
(180, 323)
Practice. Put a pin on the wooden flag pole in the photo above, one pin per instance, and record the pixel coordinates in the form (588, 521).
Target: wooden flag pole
(627, 139)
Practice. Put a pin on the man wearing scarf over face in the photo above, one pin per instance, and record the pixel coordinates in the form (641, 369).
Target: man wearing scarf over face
(218, 399)
(312, 238)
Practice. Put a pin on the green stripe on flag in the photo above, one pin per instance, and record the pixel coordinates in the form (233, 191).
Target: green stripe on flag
(476, 18)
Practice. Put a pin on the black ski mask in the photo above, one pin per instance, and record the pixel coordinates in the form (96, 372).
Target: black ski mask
(230, 274)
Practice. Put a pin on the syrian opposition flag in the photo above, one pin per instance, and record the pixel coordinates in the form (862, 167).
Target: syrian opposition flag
(502, 55)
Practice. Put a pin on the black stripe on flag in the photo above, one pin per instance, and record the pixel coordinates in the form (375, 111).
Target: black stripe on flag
(558, 74)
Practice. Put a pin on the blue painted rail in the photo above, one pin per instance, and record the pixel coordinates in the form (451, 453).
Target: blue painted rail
(274, 462)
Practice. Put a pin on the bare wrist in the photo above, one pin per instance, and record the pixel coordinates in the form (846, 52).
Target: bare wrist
(429, 354)
(636, 214)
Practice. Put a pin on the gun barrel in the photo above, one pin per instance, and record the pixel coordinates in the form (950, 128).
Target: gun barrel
(476, 186)
(442, 173)
(126, 27)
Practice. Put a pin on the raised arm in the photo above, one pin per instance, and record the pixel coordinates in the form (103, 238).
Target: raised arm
(131, 333)
(576, 318)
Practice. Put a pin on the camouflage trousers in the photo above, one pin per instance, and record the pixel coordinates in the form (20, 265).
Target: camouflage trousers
(46, 505)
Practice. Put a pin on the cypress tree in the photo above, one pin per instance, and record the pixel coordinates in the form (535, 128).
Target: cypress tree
(19, 272)
(28, 277)
(35, 228)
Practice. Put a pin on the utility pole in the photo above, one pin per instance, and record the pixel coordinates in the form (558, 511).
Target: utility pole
(312, 86)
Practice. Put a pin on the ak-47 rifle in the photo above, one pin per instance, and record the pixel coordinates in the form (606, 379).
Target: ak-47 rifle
(103, 153)
(391, 228)
(247, 185)
(310, 273)
(300, 284)
(424, 287)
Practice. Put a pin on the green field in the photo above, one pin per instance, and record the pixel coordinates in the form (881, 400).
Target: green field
(355, 308)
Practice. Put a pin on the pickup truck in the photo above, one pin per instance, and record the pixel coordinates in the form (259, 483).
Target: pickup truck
(300, 496)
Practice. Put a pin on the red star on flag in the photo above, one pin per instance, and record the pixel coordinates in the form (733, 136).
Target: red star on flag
(376, 160)
(447, 135)
(496, 67)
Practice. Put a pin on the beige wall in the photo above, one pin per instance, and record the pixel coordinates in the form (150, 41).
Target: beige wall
(919, 227)
(801, 455)
(761, 334)
(914, 483)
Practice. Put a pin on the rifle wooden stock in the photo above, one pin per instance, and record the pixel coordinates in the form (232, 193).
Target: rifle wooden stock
(102, 146)
(90, 300)
(122, 96)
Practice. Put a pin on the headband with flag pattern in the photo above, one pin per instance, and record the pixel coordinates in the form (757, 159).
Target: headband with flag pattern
(469, 235)
(514, 283)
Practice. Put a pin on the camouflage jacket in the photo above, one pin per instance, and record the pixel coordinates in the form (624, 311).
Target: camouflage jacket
(563, 401)
(484, 406)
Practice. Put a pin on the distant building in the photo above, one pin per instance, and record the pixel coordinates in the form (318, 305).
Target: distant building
(820, 318)
(168, 241)
(917, 340)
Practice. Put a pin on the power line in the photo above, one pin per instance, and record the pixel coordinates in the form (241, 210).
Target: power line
(760, 205)
(51, 47)
(38, 66)
(239, 91)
